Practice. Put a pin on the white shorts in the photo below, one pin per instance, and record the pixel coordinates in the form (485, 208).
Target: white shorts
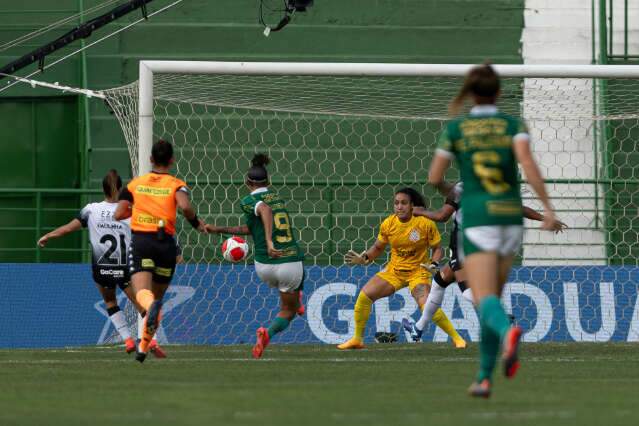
(503, 239)
(286, 277)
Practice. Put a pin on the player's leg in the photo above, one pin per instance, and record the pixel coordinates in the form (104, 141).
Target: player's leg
(510, 340)
(438, 316)
(440, 281)
(116, 316)
(460, 278)
(376, 288)
(162, 253)
(288, 278)
(489, 252)
(289, 304)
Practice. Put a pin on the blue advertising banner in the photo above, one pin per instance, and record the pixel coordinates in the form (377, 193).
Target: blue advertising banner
(57, 305)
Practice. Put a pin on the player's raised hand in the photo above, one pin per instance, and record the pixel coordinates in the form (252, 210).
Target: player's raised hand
(353, 258)
(43, 241)
(433, 267)
(559, 227)
(550, 222)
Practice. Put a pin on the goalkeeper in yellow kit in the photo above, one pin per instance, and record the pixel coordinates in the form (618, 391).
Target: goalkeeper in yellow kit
(411, 239)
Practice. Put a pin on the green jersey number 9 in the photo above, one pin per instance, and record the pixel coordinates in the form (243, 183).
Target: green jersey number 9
(283, 224)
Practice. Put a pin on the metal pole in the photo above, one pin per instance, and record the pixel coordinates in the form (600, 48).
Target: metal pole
(85, 132)
(145, 129)
(38, 223)
(625, 29)
(603, 33)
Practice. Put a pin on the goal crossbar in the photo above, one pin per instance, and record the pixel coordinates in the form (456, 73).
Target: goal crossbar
(149, 68)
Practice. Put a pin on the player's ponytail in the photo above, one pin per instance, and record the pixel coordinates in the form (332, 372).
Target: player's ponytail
(111, 183)
(416, 198)
(258, 174)
(482, 82)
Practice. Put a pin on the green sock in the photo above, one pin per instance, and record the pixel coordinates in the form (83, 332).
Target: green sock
(494, 316)
(488, 348)
(278, 325)
(494, 325)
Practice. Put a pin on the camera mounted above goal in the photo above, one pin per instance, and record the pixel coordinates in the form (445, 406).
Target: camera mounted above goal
(285, 12)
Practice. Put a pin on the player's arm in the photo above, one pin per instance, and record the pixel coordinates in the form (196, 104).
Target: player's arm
(72, 226)
(521, 148)
(437, 253)
(125, 203)
(441, 162)
(535, 215)
(185, 206)
(441, 215)
(367, 256)
(265, 213)
(235, 230)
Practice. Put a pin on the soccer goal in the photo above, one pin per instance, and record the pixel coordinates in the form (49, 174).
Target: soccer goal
(342, 138)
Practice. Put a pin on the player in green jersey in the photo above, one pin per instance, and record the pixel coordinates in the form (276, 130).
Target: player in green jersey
(278, 257)
(487, 145)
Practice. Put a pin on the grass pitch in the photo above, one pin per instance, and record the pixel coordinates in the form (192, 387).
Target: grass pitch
(392, 384)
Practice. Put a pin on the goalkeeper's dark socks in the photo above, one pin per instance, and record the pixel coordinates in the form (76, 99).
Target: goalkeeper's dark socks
(278, 325)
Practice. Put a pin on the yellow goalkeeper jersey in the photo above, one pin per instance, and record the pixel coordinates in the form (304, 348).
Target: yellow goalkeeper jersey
(410, 241)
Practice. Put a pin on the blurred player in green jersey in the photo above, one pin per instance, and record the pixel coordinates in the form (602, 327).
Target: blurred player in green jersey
(488, 145)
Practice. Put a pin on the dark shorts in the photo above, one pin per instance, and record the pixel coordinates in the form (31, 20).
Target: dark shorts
(454, 262)
(150, 254)
(111, 276)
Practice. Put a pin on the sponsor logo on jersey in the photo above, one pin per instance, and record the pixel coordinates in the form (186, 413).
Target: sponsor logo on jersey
(152, 191)
(414, 235)
(148, 263)
(147, 218)
(116, 273)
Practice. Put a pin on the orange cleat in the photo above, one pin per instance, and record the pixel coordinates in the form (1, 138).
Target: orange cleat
(262, 342)
(129, 345)
(509, 354)
(480, 390)
(156, 350)
(460, 343)
(302, 309)
(353, 343)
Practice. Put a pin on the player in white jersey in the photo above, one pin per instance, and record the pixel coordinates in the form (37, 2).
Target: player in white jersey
(453, 271)
(110, 240)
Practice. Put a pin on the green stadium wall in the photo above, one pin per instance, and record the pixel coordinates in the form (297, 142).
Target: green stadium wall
(411, 31)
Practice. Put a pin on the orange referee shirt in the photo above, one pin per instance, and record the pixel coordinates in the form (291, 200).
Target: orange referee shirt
(154, 200)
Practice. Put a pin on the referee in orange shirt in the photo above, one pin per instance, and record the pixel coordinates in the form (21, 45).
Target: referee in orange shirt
(151, 201)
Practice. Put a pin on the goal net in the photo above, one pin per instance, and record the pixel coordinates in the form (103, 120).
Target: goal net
(342, 139)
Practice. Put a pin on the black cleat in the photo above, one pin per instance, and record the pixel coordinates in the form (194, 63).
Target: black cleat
(153, 317)
(140, 357)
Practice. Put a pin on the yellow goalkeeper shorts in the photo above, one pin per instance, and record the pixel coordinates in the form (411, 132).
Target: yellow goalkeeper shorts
(400, 278)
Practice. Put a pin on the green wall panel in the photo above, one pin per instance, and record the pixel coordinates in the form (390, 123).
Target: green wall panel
(440, 31)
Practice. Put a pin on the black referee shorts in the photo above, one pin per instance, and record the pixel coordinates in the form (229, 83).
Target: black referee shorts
(150, 254)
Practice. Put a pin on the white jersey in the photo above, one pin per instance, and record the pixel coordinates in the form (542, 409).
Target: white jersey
(454, 199)
(110, 239)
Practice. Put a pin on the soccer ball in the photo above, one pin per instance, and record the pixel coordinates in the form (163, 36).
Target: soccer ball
(235, 249)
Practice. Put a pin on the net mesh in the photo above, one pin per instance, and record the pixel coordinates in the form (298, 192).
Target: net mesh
(341, 146)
